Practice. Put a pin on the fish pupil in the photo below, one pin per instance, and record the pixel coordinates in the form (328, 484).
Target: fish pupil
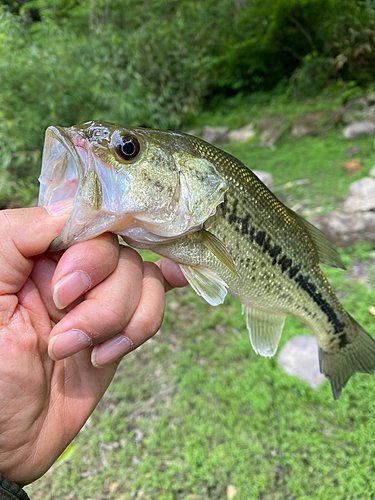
(129, 148)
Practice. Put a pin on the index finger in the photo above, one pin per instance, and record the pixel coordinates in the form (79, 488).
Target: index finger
(24, 233)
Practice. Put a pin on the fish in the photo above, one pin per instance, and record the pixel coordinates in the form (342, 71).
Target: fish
(185, 199)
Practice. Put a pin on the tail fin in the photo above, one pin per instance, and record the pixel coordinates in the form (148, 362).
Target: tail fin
(356, 354)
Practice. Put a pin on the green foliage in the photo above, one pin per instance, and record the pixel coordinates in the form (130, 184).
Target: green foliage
(157, 62)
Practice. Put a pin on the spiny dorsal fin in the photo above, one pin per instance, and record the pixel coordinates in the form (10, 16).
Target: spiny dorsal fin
(326, 250)
(218, 248)
(264, 329)
(205, 283)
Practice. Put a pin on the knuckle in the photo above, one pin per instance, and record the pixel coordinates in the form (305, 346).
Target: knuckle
(149, 324)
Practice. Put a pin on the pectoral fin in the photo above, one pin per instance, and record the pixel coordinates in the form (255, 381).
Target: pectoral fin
(218, 248)
(264, 330)
(205, 283)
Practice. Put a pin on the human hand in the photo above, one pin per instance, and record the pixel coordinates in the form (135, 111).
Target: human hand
(53, 308)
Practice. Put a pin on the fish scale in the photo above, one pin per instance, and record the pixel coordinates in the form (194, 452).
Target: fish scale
(199, 206)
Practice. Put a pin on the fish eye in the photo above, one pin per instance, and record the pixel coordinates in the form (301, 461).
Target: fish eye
(128, 148)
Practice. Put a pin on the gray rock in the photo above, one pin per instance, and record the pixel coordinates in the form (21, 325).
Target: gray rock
(357, 103)
(215, 135)
(265, 177)
(299, 357)
(243, 134)
(352, 151)
(356, 129)
(361, 196)
(271, 129)
(371, 98)
(315, 123)
(372, 171)
(346, 229)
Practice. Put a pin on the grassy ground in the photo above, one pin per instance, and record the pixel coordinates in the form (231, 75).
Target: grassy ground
(196, 414)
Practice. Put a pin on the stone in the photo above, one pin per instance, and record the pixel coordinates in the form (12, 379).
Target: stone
(215, 135)
(243, 134)
(356, 129)
(371, 98)
(352, 166)
(372, 172)
(313, 124)
(361, 196)
(352, 151)
(265, 177)
(271, 129)
(357, 103)
(346, 229)
(299, 357)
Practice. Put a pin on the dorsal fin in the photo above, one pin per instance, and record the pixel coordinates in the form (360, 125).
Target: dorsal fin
(326, 250)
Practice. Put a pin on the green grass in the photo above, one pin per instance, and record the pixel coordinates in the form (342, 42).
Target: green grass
(195, 409)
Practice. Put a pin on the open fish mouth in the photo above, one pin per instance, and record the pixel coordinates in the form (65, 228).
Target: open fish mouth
(62, 168)
(71, 170)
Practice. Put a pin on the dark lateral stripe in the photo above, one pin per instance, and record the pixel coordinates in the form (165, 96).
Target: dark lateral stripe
(293, 271)
(285, 263)
(264, 241)
(310, 288)
(259, 238)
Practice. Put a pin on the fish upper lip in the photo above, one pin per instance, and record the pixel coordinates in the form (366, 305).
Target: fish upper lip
(68, 141)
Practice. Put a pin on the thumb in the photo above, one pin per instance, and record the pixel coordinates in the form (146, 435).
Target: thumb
(26, 232)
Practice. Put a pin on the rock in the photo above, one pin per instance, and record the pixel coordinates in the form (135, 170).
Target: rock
(355, 109)
(357, 103)
(271, 129)
(352, 166)
(243, 134)
(356, 129)
(372, 172)
(215, 135)
(315, 123)
(265, 177)
(345, 229)
(371, 98)
(352, 151)
(299, 357)
(361, 196)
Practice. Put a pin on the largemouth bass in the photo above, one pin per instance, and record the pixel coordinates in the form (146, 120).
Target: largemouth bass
(189, 201)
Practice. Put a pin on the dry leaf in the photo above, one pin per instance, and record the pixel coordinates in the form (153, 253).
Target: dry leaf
(113, 487)
(352, 166)
(231, 492)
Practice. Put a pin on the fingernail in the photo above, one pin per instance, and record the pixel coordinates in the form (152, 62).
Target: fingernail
(60, 207)
(68, 343)
(111, 350)
(70, 287)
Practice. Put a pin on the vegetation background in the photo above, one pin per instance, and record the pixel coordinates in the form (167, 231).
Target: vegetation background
(195, 414)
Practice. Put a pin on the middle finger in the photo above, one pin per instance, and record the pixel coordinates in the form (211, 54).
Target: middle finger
(105, 311)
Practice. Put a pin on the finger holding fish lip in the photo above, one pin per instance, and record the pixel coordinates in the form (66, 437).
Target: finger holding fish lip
(82, 267)
(105, 311)
(62, 278)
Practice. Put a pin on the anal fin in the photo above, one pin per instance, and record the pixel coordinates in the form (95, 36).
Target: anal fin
(205, 283)
(264, 329)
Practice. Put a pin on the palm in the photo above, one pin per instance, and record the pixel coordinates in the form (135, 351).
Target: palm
(54, 306)
(44, 403)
